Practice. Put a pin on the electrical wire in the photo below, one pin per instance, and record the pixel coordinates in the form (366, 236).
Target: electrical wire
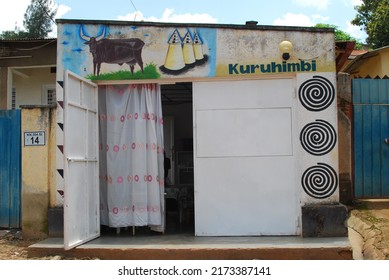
(46, 12)
(136, 11)
(38, 47)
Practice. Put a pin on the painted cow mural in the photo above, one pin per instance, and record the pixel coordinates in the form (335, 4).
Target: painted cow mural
(113, 51)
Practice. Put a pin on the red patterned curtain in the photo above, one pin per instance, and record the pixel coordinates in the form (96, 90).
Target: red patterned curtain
(131, 156)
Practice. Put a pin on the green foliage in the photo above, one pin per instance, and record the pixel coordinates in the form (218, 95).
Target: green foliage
(13, 34)
(149, 72)
(373, 17)
(341, 35)
(38, 18)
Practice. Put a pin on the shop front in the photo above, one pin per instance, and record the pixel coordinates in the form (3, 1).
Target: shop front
(244, 115)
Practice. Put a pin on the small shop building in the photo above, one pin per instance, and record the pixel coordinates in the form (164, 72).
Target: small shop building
(234, 125)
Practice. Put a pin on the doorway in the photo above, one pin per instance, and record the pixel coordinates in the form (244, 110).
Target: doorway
(176, 102)
(177, 107)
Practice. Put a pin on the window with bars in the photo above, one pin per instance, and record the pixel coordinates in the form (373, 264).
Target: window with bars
(49, 96)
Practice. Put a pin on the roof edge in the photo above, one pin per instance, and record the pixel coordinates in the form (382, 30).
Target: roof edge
(209, 25)
(354, 64)
(32, 40)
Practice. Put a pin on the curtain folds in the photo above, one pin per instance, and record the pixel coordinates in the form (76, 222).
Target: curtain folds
(131, 156)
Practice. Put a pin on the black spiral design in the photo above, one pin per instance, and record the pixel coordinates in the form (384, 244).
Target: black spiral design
(320, 181)
(316, 94)
(318, 138)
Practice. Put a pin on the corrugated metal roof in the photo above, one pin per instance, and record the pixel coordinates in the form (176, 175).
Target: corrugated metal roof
(27, 39)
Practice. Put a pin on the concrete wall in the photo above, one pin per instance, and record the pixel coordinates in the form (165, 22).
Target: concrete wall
(38, 171)
(3, 87)
(345, 138)
(374, 65)
(29, 88)
(25, 56)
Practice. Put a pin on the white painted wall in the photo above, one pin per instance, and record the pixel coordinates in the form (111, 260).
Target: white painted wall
(244, 158)
(322, 184)
(29, 85)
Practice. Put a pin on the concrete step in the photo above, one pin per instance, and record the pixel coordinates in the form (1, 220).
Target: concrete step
(189, 247)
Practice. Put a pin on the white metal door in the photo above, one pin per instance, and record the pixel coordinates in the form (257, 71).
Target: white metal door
(81, 166)
(244, 158)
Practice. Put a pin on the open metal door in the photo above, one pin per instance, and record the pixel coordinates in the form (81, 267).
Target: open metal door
(81, 166)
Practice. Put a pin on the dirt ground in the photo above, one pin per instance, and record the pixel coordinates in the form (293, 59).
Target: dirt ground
(13, 247)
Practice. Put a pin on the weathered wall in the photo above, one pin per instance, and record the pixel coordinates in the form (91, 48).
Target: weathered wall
(3, 87)
(374, 66)
(182, 52)
(345, 138)
(29, 88)
(172, 51)
(38, 171)
(24, 55)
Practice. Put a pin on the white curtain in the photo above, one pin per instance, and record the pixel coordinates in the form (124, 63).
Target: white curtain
(131, 156)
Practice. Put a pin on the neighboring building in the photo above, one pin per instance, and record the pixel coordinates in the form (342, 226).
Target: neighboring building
(371, 64)
(27, 78)
(27, 72)
(365, 105)
(344, 51)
